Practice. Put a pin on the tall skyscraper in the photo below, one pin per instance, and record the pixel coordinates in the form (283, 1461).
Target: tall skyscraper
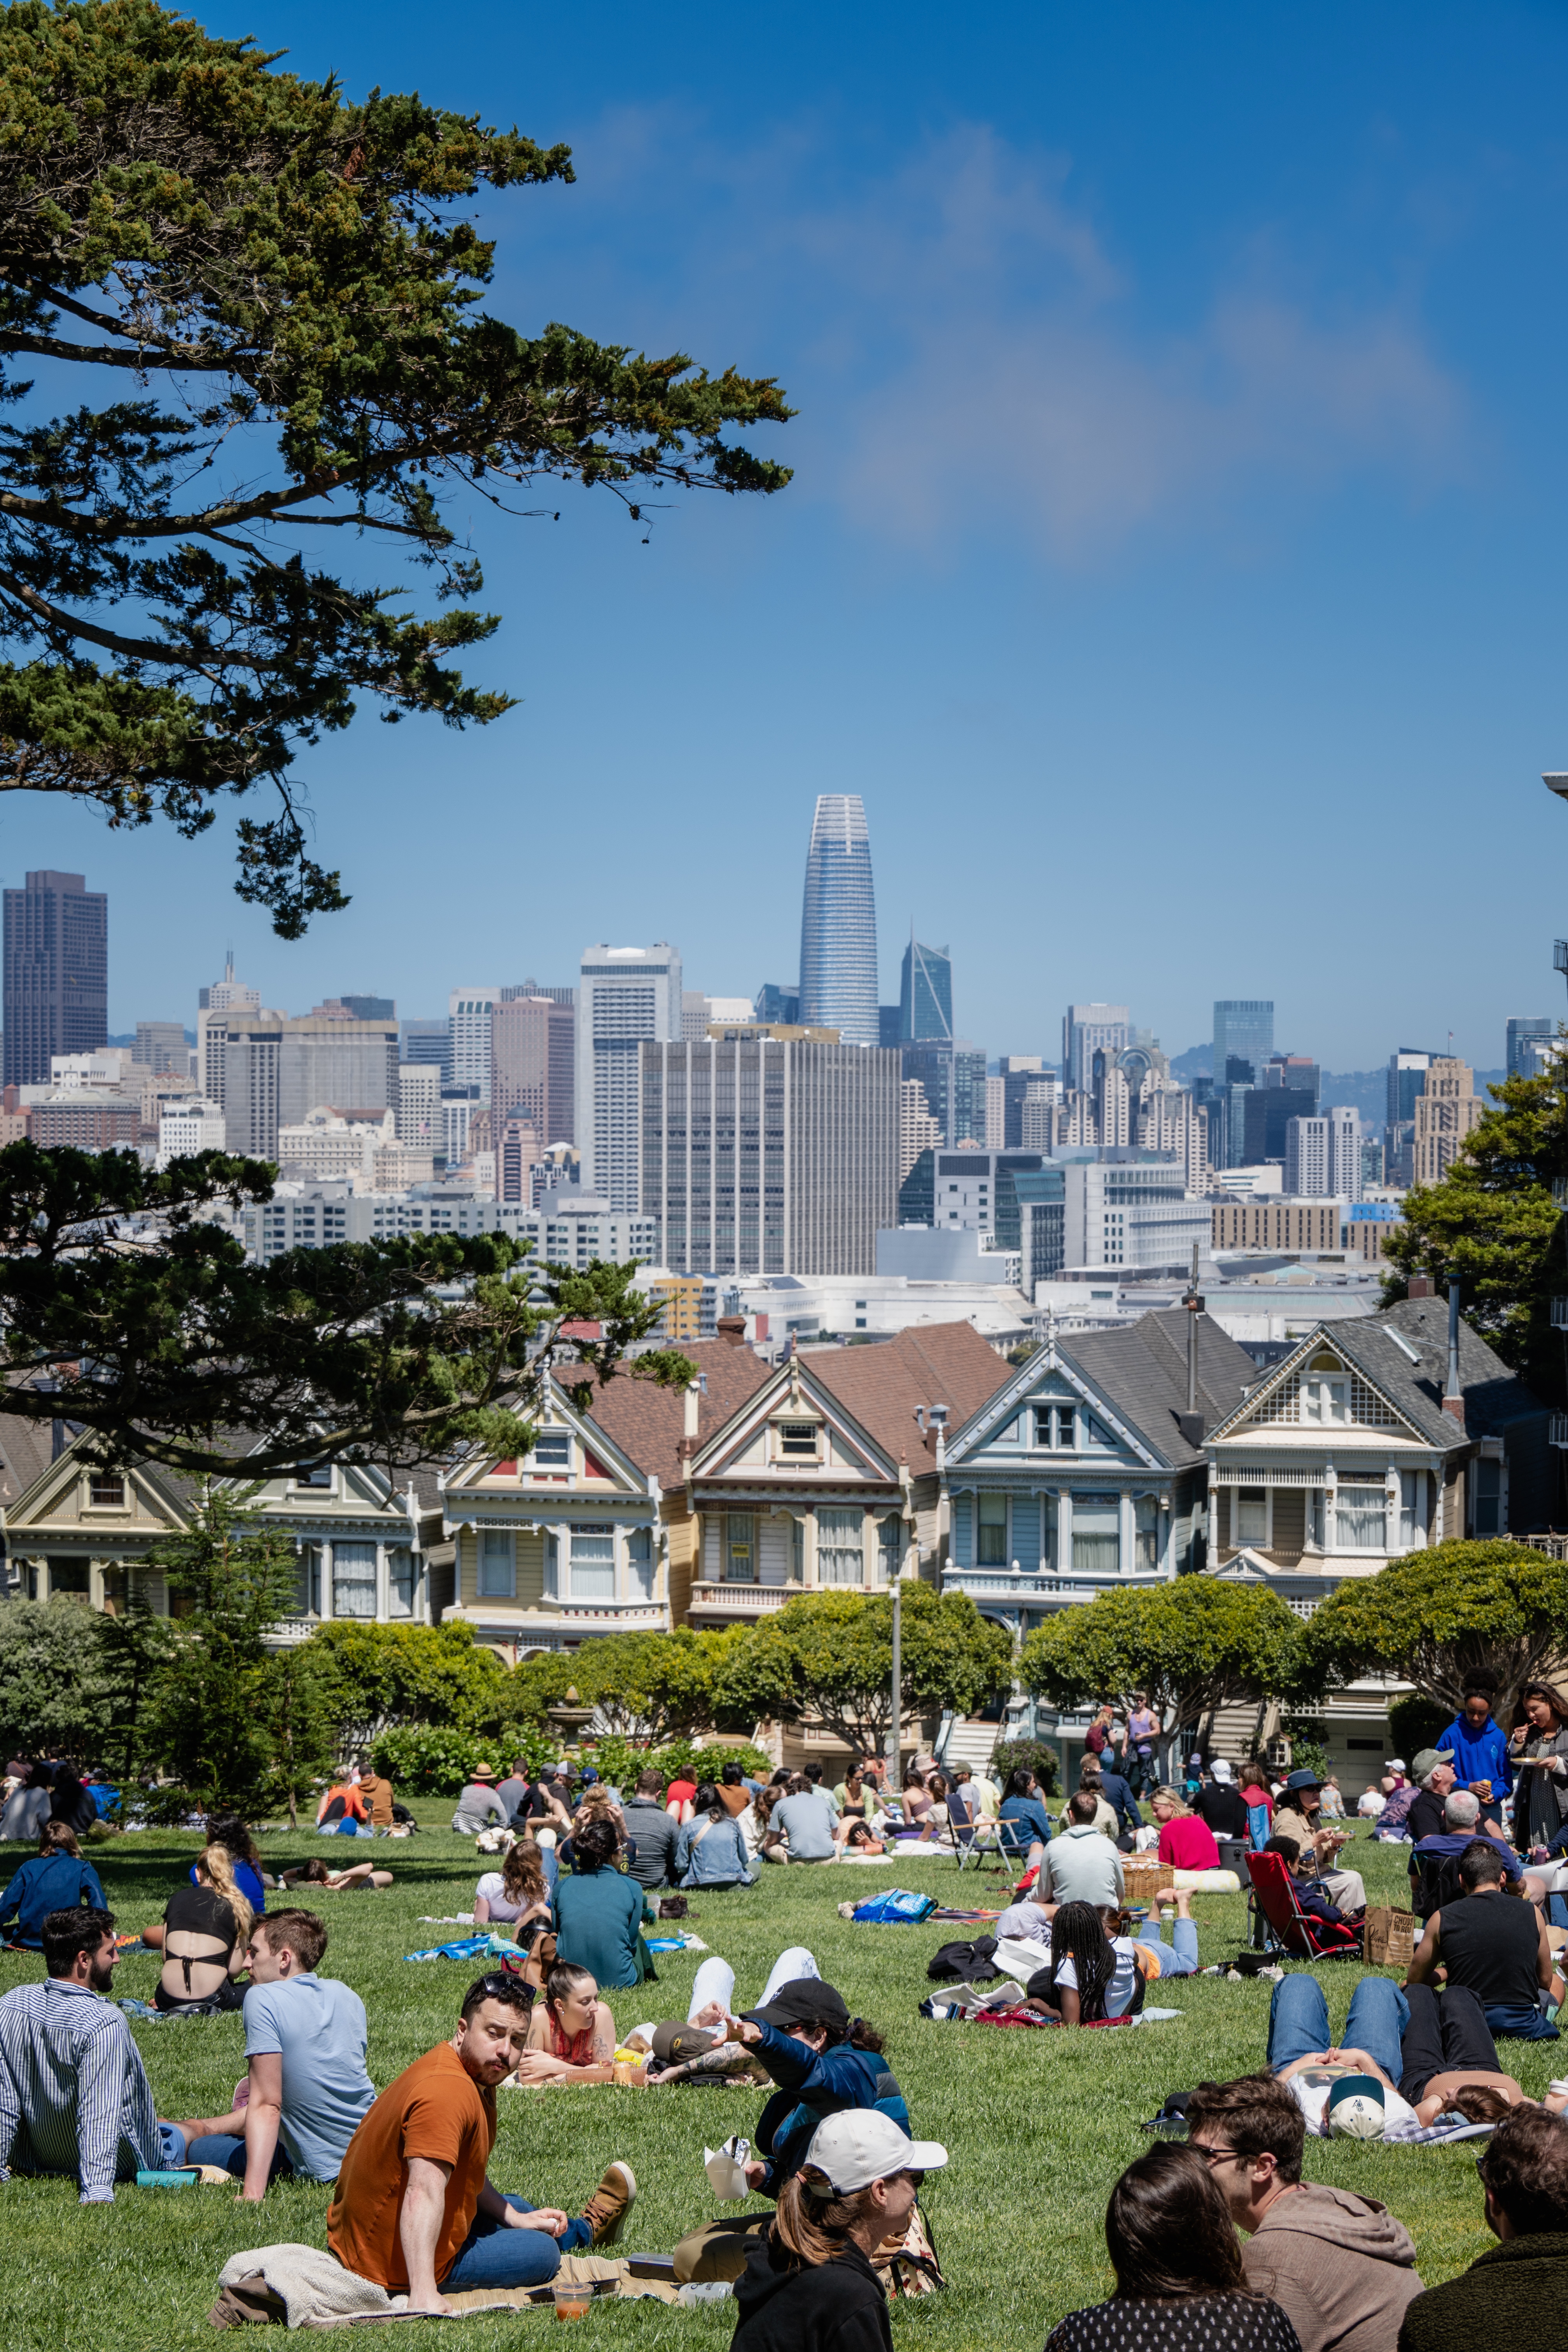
(925, 993)
(625, 996)
(1243, 1026)
(56, 974)
(227, 999)
(769, 1155)
(533, 1055)
(276, 1070)
(953, 1072)
(470, 1010)
(431, 1042)
(1322, 1155)
(777, 1005)
(1086, 1030)
(1524, 1039)
(839, 924)
(1407, 1071)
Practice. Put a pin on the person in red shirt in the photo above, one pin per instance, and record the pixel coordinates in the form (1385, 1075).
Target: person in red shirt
(1185, 1842)
(413, 2209)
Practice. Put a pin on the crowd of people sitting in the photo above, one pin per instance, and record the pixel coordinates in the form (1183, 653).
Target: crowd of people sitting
(1218, 2245)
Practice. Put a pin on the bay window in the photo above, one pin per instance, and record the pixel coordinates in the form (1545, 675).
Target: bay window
(1096, 1535)
(839, 1557)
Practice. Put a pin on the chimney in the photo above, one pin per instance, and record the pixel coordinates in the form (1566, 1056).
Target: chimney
(1420, 1285)
(731, 1329)
(1453, 1394)
(693, 1403)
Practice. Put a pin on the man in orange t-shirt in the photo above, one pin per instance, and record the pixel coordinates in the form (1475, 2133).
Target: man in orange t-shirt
(414, 2208)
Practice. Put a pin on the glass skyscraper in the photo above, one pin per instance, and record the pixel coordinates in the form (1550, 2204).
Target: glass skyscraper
(925, 993)
(1243, 1026)
(839, 924)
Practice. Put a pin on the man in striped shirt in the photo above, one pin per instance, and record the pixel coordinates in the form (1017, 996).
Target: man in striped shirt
(74, 2094)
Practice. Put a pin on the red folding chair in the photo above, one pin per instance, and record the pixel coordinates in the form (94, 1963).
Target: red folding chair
(1292, 1931)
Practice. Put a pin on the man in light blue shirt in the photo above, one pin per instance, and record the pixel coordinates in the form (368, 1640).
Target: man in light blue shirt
(305, 2047)
(806, 1818)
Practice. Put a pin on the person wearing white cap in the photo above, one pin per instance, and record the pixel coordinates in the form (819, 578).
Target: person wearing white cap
(810, 2283)
(1219, 1802)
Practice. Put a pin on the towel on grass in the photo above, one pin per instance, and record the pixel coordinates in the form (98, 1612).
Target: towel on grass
(312, 2285)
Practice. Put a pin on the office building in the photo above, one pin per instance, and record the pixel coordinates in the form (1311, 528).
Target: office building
(698, 1014)
(1086, 1030)
(1017, 1071)
(921, 1253)
(995, 1136)
(56, 973)
(769, 1155)
(161, 1045)
(469, 1012)
(917, 1132)
(82, 1119)
(1297, 1072)
(1322, 1155)
(430, 1042)
(189, 1127)
(227, 999)
(1129, 1213)
(518, 1151)
(977, 1192)
(1266, 1113)
(418, 1104)
(1525, 1040)
(367, 1008)
(1042, 1225)
(462, 1113)
(276, 1070)
(1292, 1226)
(1445, 1109)
(839, 924)
(925, 993)
(1407, 1071)
(328, 1144)
(774, 1006)
(1243, 1030)
(533, 1063)
(953, 1073)
(627, 998)
(1035, 1128)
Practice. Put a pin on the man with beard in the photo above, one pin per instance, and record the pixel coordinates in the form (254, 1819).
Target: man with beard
(74, 2094)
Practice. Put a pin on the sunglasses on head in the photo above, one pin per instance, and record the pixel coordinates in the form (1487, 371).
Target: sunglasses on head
(502, 1983)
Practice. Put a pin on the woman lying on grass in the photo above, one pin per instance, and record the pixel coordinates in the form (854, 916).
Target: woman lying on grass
(571, 2035)
(314, 1873)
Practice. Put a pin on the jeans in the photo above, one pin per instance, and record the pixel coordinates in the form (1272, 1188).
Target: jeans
(1299, 2022)
(493, 2256)
(227, 2153)
(1446, 2031)
(1180, 1956)
(1520, 2022)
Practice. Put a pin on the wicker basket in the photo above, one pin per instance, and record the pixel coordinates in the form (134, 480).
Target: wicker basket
(1143, 1875)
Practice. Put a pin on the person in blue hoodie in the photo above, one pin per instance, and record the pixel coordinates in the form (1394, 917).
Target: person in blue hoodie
(825, 2062)
(1479, 1745)
(56, 1879)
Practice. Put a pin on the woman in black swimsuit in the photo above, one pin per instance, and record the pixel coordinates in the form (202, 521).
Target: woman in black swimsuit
(207, 1935)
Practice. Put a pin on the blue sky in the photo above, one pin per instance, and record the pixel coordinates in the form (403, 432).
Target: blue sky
(1174, 561)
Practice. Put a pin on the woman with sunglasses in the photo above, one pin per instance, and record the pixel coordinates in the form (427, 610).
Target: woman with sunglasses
(809, 2283)
(1180, 2286)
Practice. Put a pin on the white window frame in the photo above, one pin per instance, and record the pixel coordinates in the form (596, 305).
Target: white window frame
(801, 1422)
(845, 1542)
(727, 1541)
(642, 1565)
(408, 1576)
(591, 1531)
(1371, 1494)
(1266, 1539)
(340, 1583)
(980, 1501)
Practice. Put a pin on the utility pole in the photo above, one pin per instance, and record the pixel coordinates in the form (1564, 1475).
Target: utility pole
(894, 1775)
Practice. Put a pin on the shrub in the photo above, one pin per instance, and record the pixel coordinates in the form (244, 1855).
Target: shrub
(430, 1761)
(1034, 1755)
(620, 1761)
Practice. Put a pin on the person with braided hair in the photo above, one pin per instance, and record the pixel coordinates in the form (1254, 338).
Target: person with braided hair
(1092, 1974)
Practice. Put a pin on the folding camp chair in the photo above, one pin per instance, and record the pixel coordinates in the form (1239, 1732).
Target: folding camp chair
(1289, 1932)
(969, 1837)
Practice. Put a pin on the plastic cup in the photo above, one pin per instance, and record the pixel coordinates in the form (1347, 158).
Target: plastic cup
(572, 2298)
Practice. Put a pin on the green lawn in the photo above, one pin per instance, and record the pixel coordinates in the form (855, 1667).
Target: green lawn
(1037, 2125)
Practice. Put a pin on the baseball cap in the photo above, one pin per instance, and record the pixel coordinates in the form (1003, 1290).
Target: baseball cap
(674, 2043)
(1220, 1769)
(587, 1776)
(806, 2000)
(1397, 1764)
(1427, 1760)
(860, 2145)
(1302, 1780)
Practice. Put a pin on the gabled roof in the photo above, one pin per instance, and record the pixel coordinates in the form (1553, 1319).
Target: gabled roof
(618, 1466)
(27, 1449)
(884, 1385)
(1142, 1369)
(795, 1376)
(648, 1421)
(1494, 1395)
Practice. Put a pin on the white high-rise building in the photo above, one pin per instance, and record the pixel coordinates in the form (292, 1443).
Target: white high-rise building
(225, 999)
(189, 1127)
(470, 1010)
(1085, 1028)
(1322, 1155)
(625, 997)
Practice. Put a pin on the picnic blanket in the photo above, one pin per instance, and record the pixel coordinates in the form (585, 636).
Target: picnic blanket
(301, 2286)
(469, 1948)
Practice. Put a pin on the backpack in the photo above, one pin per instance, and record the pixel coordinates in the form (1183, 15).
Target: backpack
(964, 1963)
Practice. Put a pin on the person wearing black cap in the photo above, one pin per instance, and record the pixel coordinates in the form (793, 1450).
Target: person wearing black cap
(825, 2063)
(1298, 1815)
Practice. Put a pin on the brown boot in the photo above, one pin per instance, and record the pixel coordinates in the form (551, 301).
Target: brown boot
(607, 2209)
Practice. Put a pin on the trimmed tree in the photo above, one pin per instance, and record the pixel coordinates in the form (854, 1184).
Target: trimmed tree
(1437, 1616)
(830, 1655)
(380, 1678)
(230, 1580)
(1194, 1646)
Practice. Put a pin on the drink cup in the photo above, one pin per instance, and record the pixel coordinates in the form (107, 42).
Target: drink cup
(572, 2298)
